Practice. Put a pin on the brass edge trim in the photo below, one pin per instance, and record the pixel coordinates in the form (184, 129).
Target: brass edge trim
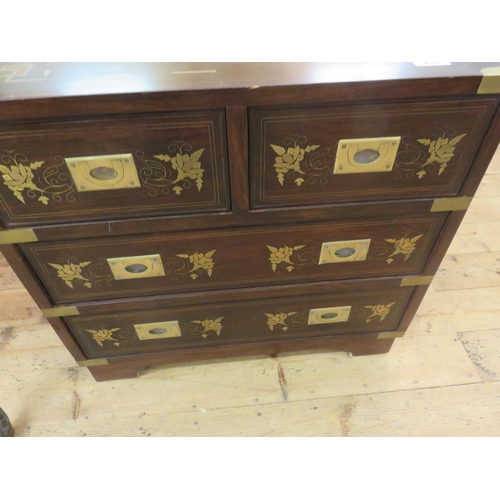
(93, 362)
(416, 280)
(13, 236)
(389, 335)
(58, 312)
(451, 204)
(490, 83)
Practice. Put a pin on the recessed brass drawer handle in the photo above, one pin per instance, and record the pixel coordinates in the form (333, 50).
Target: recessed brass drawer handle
(344, 251)
(361, 156)
(164, 330)
(338, 314)
(98, 173)
(143, 266)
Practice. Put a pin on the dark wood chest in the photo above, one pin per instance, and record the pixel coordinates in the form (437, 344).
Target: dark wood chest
(221, 210)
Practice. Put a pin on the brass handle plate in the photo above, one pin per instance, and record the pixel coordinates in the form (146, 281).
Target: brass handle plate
(329, 315)
(163, 330)
(142, 266)
(344, 251)
(99, 173)
(361, 156)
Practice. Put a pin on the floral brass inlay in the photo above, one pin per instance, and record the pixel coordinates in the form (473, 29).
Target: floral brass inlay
(282, 255)
(69, 272)
(20, 179)
(379, 311)
(404, 246)
(411, 159)
(200, 261)
(184, 168)
(441, 151)
(278, 320)
(210, 325)
(102, 335)
(289, 159)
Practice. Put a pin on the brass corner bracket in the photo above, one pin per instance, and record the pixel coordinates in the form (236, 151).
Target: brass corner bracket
(93, 362)
(416, 280)
(59, 312)
(490, 83)
(451, 204)
(13, 236)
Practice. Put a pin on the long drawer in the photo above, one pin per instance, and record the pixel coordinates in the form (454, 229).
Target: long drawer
(104, 169)
(133, 266)
(221, 324)
(332, 154)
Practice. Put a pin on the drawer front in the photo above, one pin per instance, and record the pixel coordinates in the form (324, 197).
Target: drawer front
(339, 154)
(109, 169)
(248, 321)
(108, 268)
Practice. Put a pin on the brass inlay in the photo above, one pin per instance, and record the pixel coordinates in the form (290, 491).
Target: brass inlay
(329, 315)
(214, 325)
(98, 173)
(379, 311)
(104, 334)
(282, 255)
(404, 246)
(416, 280)
(278, 320)
(344, 251)
(71, 271)
(187, 167)
(451, 204)
(13, 236)
(361, 156)
(163, 330)
(58, 312)
(490, 83)
(200, 261)
(390, 335)
(142, 266)
(288, 160)
(93, 362)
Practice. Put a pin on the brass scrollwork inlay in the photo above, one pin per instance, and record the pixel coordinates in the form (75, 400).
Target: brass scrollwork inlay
(440, 152)
(379, 311)
(184, 167)
(18, 175)
(296, 257)
(210, 325)
(410, 159)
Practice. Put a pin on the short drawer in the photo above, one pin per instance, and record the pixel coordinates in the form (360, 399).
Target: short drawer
(239, 322)
(113, 168)
(333, 154)
(133, 266)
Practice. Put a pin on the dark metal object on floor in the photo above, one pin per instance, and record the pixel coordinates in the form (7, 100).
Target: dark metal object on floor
(6, 429)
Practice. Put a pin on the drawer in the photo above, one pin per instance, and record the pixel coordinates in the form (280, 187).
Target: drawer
(132, 266)
(113, 168)
(332, 154)
(247, 321)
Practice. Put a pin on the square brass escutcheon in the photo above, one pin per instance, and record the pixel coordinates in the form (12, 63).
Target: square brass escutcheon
(163, 330)
(364, 156)
(344, 251)
(338, 314)
(141, 266)
(100, 173)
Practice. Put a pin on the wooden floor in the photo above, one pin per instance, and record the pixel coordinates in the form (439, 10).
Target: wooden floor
(441, 379)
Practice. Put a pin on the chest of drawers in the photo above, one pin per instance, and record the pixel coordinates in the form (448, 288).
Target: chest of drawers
(165, 213)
